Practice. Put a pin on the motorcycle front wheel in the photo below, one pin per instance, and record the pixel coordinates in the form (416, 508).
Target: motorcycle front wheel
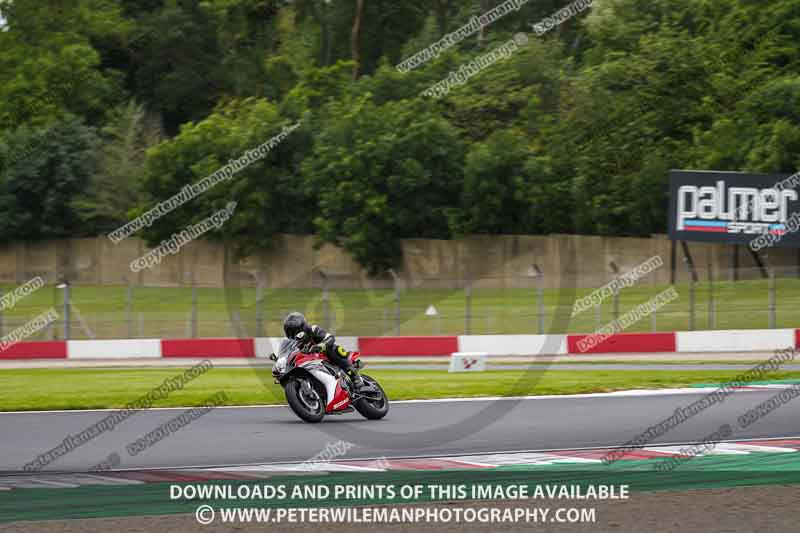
(305, 399)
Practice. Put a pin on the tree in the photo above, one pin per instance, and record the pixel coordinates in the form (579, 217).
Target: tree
(630, 118)
(382, 173)
(117, 186)
(383, 29)
(176, 63)
(269, 193)
(49, 68)
(42, 172)
(495, 197)
(355, 36)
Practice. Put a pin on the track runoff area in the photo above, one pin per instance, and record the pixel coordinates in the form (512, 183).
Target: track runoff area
(554, 459)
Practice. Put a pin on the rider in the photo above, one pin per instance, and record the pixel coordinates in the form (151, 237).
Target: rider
(296, 327)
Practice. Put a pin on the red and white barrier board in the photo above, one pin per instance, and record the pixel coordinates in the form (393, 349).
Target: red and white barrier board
(115, 349)
(514, 344)
(35, 350)
(620, 343)
(201, 348)
(748, 340)
(394, 346)
(624, 343)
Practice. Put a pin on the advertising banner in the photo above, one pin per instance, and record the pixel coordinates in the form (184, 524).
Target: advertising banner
(733, 207)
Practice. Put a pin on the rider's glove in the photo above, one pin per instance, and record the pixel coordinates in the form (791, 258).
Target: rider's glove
(321, 347)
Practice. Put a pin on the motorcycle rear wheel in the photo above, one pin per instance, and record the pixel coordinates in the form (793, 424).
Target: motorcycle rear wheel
(310, 407)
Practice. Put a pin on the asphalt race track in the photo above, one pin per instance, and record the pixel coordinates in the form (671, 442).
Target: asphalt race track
(252, 435)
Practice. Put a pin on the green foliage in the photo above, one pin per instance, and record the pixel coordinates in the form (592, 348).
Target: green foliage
(116, 187)
(382, 173)
(575, 132)
(495, 197)
(42, 172)
(270, 197)
(49, 67)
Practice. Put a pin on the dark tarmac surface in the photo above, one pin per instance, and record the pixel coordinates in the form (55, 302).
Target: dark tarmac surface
(251, 435)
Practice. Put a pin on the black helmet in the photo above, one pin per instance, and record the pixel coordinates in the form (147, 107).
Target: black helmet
(295, 323)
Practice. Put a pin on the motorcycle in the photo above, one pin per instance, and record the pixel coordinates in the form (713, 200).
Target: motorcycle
(316, 387)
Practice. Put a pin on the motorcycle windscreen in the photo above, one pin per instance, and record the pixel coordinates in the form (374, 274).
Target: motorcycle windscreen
(287, 348)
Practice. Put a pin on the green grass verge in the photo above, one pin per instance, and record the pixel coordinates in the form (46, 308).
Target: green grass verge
(580, 361)
(41, 389)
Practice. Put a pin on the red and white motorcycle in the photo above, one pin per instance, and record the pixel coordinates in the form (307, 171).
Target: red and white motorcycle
(316, 387)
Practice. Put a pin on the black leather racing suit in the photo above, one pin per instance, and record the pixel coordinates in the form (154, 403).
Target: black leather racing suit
(337, 354)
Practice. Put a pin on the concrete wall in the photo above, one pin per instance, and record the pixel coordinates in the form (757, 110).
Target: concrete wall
(489, 261)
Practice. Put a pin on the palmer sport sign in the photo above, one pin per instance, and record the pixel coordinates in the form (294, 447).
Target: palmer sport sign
(733, 207)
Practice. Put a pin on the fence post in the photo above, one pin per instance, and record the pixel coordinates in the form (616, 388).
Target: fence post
(614, 293)
(598, 318)
(712, 316)
(691, 303)
(540, 307)
(653, 319)
(396, 280)
(653, 324)
(396, 309)
(773, 319)
(326, 308)
(193, 325)
(67, 300)
(468, 308)
(129, 308)
(536, 273)
(236, 319)
(259, 305)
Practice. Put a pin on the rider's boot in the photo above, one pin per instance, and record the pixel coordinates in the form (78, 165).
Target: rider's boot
(356, 378)
(347, 366)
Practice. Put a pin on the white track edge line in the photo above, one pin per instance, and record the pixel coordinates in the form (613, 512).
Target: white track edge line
(617, 394)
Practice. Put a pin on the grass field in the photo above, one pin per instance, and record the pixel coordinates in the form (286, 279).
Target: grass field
(158, 312)
(42, 389)
(581, 361)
